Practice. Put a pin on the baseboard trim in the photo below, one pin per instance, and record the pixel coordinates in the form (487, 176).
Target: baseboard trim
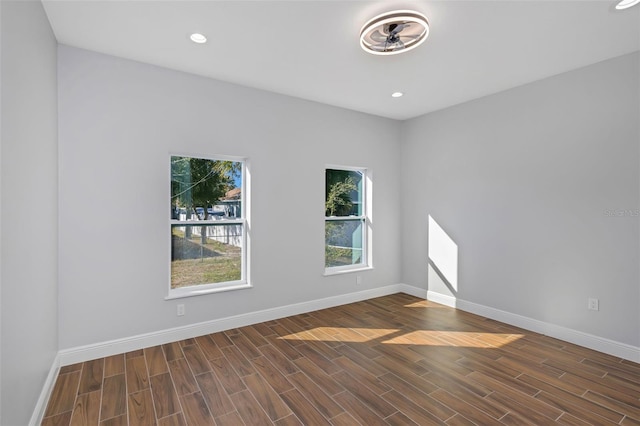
(442, 299)
(413, 291)
(611, 347)
(45, 394)
(127, 344)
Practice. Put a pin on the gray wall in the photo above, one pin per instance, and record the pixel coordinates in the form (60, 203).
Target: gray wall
(29, 214)
(525, 183)
(120, 121)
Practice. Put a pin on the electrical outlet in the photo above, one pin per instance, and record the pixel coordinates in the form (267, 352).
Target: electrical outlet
(358, 279)
(593, 304)
(180, 310)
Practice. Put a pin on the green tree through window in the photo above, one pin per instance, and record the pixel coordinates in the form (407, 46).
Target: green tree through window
(345, 220)
(207, 225)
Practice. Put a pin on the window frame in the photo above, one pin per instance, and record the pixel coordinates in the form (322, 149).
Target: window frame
(209, 288)
(365, 217)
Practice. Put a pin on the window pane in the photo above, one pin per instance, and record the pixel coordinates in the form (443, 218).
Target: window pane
(205, 189)
(343, 193)
(205, 254)
(343, 242)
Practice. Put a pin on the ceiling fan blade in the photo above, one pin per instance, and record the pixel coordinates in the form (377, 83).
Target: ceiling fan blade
(379, 46)
(387, 46)
(378, 36)
(408, 37)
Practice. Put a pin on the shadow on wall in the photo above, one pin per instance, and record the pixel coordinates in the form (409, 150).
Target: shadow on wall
(443, 261)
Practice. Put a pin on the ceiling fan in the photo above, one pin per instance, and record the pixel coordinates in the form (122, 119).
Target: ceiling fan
(394, 32)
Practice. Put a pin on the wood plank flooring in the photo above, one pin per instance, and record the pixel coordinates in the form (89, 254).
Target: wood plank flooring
(394, 360)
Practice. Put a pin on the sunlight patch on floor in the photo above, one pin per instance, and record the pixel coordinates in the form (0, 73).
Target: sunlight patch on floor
(339, 334)
(454, 338)
(468, 339)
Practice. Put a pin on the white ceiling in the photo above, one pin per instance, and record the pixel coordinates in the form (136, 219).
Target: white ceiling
(309, 49)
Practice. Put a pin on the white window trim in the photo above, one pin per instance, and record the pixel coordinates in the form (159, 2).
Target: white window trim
(367, 247)
(243, 282)
(340, 270)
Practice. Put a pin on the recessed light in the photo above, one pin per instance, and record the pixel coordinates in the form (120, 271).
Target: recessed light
(625, 4)
(198, 38)
(394, 32)
(397, 94)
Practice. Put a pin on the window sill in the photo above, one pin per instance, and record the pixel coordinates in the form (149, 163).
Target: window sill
(191, 292)
(330, 272)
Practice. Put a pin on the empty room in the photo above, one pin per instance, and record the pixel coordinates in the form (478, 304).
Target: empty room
(319, 212)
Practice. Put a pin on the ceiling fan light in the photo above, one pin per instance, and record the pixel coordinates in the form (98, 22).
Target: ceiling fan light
(394, 32)
(625, 4)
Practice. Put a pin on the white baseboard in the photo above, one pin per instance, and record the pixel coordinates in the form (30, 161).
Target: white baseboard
(442, 299)
(611, 347)
(413, 291)
(113, 347)
(45, 394)
(127, 344)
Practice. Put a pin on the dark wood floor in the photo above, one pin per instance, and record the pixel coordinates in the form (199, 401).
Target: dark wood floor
(393, 360)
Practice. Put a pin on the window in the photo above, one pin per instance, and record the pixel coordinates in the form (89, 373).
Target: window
(346, 220)
(208, 225)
